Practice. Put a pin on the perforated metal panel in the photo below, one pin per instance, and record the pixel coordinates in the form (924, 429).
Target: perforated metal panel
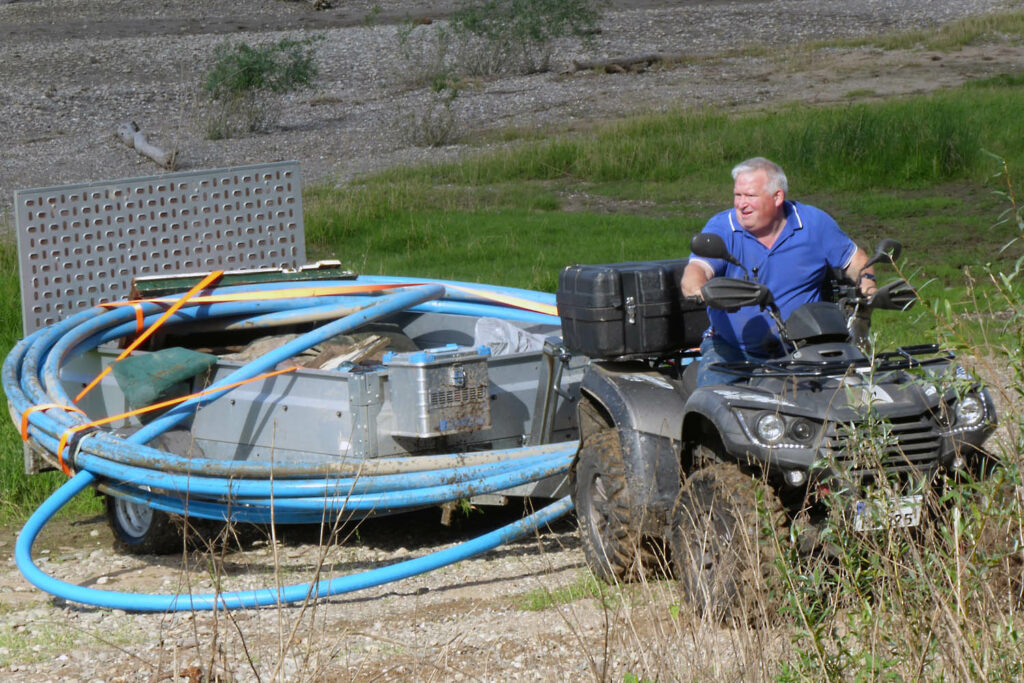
(79, 245)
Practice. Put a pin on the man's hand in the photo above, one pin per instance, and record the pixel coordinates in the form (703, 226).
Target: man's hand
(863, 276)
(868, 286)
(695, 276)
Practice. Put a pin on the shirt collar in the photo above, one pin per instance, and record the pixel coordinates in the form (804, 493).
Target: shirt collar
(791, 210)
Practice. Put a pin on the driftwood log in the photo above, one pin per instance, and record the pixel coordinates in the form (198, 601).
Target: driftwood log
(133, 137)
(622, 64)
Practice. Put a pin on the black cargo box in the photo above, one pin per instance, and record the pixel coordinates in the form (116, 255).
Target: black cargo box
(627, 309)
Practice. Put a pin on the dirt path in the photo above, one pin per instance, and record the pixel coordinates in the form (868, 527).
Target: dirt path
(469, 617)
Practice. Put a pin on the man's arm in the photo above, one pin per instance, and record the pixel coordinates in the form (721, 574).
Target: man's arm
(695, 275)
(854, 270)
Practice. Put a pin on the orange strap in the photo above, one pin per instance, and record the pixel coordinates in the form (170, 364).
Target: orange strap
(272, 294)
(62, 444)
(203, 284)
(140, 319)
(43, 406)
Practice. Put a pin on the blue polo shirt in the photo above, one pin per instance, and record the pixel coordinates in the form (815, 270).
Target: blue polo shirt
(810, 244)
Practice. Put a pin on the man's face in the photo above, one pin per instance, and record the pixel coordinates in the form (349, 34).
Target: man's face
(756, 209)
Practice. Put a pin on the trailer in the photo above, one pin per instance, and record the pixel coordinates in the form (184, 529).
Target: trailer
(182, 359)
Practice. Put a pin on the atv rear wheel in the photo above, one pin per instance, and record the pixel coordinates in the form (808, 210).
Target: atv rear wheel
(612, 543)
(723, 542)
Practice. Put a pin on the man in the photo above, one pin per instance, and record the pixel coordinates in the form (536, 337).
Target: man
(788, 246)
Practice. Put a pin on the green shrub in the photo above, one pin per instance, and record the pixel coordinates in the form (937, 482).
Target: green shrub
(484, 38)
(245, 83)
(504, 35)
(489, 37)
(424, 51)
(437, 123)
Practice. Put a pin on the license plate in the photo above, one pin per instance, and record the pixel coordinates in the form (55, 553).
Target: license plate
(887, 514)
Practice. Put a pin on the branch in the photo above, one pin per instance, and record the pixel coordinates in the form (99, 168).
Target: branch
(133, 137)
(622, 64)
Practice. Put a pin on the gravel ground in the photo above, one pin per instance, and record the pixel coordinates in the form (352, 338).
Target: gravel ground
(71, 70)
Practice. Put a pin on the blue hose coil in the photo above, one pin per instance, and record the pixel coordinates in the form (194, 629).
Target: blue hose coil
(239, 491)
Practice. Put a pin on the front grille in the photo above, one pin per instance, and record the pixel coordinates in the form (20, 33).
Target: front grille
(442, 398)
(904, 445)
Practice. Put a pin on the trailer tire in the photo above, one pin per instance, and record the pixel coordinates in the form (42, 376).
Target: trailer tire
(612, 545)
(724, 540)
(141, 530)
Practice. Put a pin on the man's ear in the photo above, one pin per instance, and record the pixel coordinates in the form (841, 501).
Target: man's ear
(779, 198)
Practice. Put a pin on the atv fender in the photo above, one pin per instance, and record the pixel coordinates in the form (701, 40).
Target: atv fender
(709, 420)
(714, 410)
(647, 411)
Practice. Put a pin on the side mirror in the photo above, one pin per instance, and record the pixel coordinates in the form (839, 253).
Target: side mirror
(887, 250)
(709, 246)
(713, 246)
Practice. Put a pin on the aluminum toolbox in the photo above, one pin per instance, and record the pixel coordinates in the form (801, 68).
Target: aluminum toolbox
(627, 309)
(439, 391)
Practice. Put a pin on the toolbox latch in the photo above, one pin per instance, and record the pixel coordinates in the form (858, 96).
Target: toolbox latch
(631, 310)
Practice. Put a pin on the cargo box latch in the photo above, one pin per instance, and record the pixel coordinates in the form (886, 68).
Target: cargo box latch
(631, 310)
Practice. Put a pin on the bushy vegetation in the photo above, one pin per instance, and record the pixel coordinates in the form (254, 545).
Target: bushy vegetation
(489, 37)
(245, 83)
(483, 38)
(519, 35)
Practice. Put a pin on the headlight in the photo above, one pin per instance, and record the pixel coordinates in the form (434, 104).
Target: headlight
(802, 430)
(770, 428)
(970, 411)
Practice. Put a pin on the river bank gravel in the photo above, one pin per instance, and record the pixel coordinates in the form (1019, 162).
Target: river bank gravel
(72, 70)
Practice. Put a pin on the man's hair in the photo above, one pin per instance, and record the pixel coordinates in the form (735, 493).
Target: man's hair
(776, 176)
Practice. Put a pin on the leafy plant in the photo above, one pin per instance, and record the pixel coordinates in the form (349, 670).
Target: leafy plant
(245, 83)
(490, 37)
(424, 51)
(436, 123)
(520, 34)
(484, 38)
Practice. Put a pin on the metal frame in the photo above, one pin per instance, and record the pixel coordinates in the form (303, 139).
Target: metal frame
(80, 245)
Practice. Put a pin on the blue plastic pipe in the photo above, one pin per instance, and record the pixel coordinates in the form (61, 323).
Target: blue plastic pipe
(256, 598)
(244, 491)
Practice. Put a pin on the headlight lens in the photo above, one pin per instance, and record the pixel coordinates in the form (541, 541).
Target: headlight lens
(970, 411)
(802, 430)
(770, 428)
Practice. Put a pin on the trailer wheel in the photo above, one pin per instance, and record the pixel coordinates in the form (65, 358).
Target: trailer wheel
(612, 545)
(723, 542)
(141, 530)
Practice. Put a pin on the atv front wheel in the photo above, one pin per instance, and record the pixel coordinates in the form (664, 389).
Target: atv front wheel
(141, 530)
(612, 543)
(723, 542)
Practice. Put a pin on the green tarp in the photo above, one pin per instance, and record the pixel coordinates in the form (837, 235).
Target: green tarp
(150, 378)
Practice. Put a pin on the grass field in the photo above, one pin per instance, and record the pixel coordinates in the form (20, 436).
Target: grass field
(639, 189)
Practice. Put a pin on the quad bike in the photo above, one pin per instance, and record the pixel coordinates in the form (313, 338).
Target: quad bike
(670, 472)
